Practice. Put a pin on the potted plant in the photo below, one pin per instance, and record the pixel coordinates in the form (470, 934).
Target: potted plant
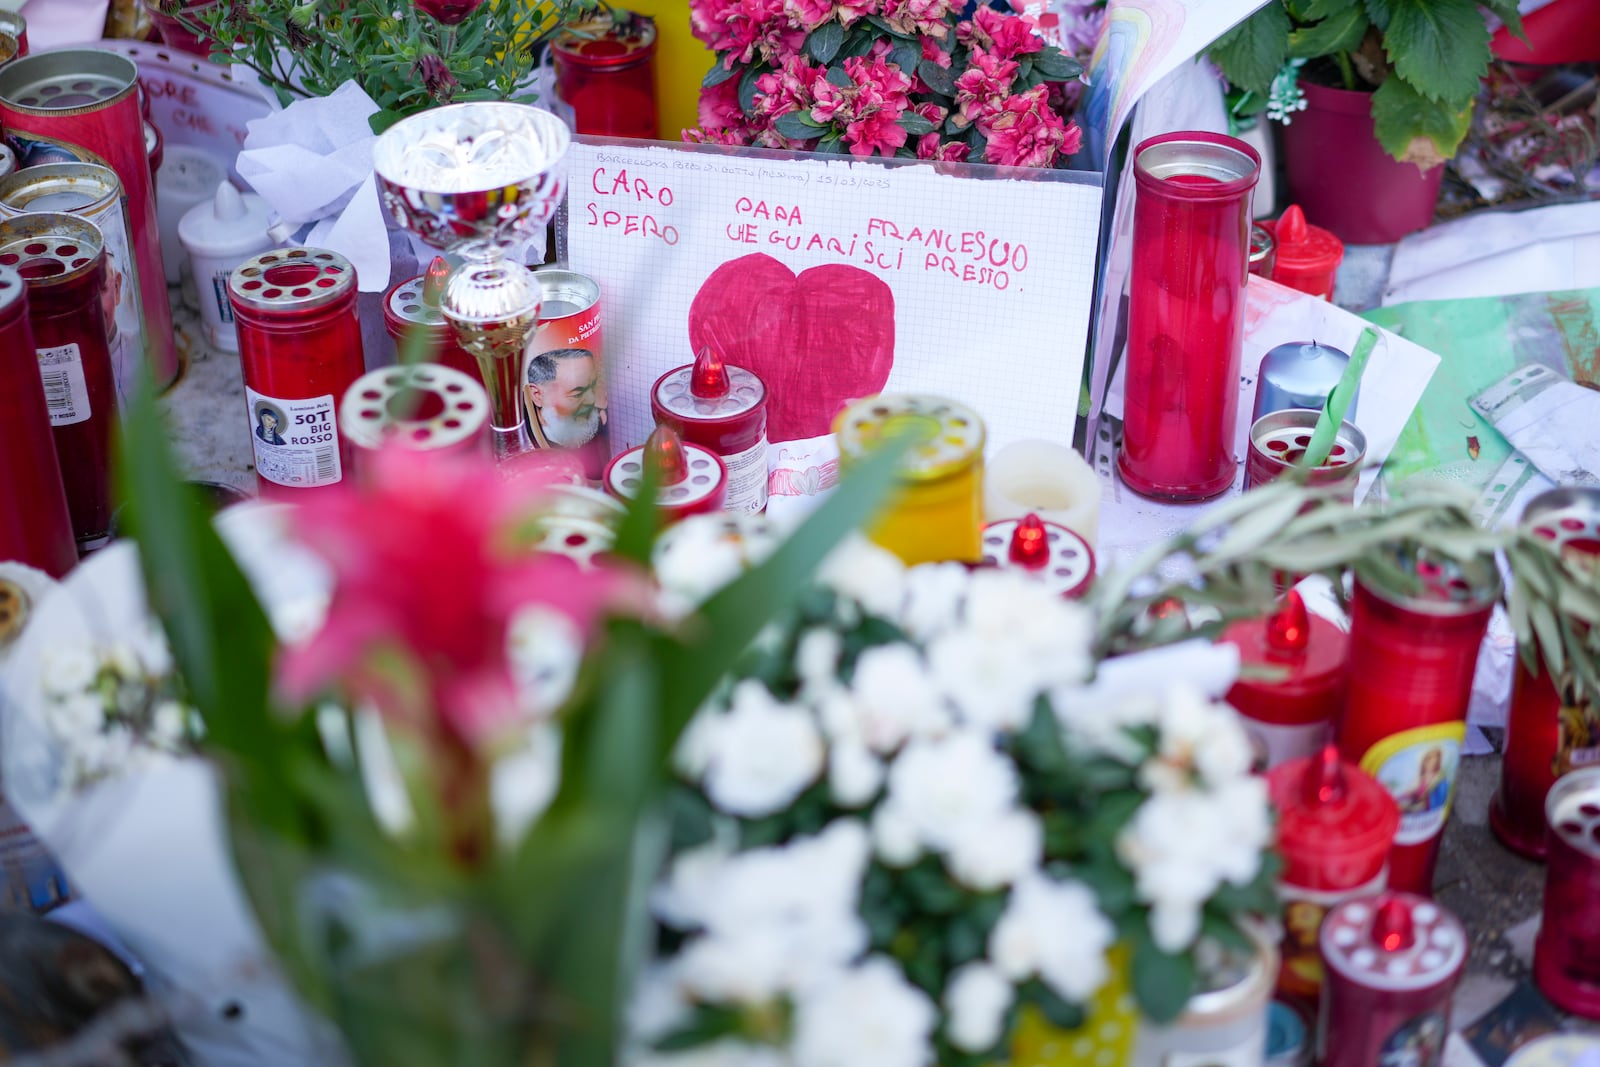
(1375, 95)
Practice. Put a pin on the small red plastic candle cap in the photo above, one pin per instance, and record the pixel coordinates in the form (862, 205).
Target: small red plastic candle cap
(1030, 547)
(433, 280)
(1289, 628)
(709, 379)
(1291, 229)
(1325, 784)
(664, 450)
(1392, 928)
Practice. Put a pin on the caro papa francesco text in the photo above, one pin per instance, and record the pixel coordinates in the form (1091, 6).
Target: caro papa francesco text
(970, 256)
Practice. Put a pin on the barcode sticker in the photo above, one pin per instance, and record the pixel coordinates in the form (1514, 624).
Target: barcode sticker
(296, 442)
(66, 393)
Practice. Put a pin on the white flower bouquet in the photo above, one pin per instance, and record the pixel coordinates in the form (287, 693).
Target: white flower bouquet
(920, 809)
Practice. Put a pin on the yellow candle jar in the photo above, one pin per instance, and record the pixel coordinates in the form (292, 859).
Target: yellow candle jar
(936, 512)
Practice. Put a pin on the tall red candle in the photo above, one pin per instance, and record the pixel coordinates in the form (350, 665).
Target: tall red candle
(1191, 251)
(1547, 736)
(35, 526)
(1566, 956)
(300, 350)
(62, 262)
(1289, 713)
(605, 69)
(1412, 657)
(1335, 828)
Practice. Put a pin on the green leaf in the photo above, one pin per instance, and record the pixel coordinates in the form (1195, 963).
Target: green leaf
(1059, 1012)
(1441, 47)
(1251, 53)
(1162, 983)
(1311, 10)
(1339, 32)
(1380, 11)
(1507, 12)
(1414, 129)
(382, 120)
(718, 74)
(797, 126)
(747, 87)
(1055, 64)
(823, 43)
(840, 77)
(636, 533)
(907, 55)
(883, 24)
(915, 124)
(1223, 930)
(937, 78)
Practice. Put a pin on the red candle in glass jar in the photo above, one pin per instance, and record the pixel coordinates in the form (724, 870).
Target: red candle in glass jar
(1547, 736)
(1335, 827)
(15, 26)
(1566, 955)
(1191, 251)
(1043, 550)
(413, 305)
(723, 408)
(693, 480)
(300, 350)
(605, 70)
(1412, 657)
(1289, 714)
(1393, 962)
(35, 526)
(62, 261)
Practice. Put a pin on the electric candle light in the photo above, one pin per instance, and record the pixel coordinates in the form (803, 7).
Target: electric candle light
(1546, 735)
(935, 513)
(693, 480)
(1046, 479)
(1053, 554)
(723, 408)
(1335, 827)
(1289, 714)
(1412, 657)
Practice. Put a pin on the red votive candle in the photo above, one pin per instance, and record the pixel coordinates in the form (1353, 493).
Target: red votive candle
(605, 70)
(1278, 440)
(693, 480)
(1546, 735)
(1335, 828)
(413, 305)
(424, 407)
(300, 350)
(1412, 656)
(1290, 713)
(62, 261)
(723, 408)
(1393, 962)
(1191, 250)
(35, 526)
(1043, 550)
(1566, 956)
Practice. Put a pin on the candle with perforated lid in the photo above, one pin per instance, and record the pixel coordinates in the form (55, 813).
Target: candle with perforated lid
(1335, 827)
(1042, 550)
(1566, 956)
(411, 306)
(1393, 962)
(693, 480)
(1306, 257)
(724, 408)
(300, 349)
(1413, 652)
(1293, 679)
(424, 407)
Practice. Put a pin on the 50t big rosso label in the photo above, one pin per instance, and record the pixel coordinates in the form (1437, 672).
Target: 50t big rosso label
(296, 442)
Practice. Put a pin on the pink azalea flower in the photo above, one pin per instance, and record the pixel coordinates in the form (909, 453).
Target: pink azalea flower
(719, 107)
(918, 16)
(1026, 133)
(786, 89)
(885, 84)
(810, 14)
(928, 147)
(983, 87)
(851, 10)
(931, 50)
(736, 138)
(933, 113)
(878, 132)
(426, 582)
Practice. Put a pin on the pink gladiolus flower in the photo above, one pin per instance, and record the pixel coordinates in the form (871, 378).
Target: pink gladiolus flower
(426, 583)
(878, 132)
(1026, 133)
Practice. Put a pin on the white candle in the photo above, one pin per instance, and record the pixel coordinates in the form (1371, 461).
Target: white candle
(1045, 478)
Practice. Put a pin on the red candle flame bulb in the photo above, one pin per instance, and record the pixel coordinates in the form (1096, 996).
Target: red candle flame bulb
(1392, 927)
(663, 449)
(433, 280)
(1030, 547)
(1291, 229)
(709, 381)
(1289, 630)
(1324, 781)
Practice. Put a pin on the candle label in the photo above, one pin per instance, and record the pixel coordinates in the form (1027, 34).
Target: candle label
(1579, 744)
(296, 442)
(66, 392)
(1302, 973)
(747, 478)
(1418, 768)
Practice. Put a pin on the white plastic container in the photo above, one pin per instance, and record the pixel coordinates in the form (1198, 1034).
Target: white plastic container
(188, 176)
(220, 234)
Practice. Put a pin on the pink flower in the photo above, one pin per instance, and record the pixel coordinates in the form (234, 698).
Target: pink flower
(983, 87)
(879, 88)
(926, 17)
(810, 13)
(1026, 133)
(1001, 34)
(746, 31)
(427, 580)
(879, 132)
(933, 113)
(789, 88)
(931, 50)
(719, 107)
(736, 138)
(851, 10)
(1084, 32)
(928, 147)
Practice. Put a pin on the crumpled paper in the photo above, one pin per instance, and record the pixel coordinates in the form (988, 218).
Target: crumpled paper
(312, 162)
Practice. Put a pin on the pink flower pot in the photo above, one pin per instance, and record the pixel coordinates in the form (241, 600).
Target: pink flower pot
(1344, 180)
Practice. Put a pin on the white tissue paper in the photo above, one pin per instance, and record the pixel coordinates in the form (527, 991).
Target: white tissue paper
(312, 162)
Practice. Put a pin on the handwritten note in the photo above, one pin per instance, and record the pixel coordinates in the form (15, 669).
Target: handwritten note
(834, 279)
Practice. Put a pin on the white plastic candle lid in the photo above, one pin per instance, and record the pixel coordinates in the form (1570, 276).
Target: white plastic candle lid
(745, 391)
(1434, 949)
(706, 476)
(424, 407)
(1573, 810)
(1069, 569)
(231, 223)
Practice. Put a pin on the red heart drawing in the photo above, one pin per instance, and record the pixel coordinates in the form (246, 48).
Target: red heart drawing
(818, 340)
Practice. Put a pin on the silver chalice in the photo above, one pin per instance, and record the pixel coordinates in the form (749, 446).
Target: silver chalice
(477, 180)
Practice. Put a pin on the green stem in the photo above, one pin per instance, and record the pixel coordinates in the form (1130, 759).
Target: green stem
(1346, 70)
(1333, 412)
